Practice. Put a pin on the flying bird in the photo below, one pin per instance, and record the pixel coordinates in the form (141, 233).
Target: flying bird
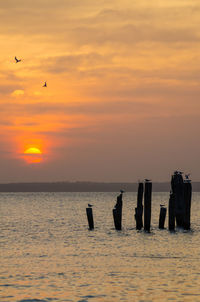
(90, 205)
(45, 84)
(17, 60)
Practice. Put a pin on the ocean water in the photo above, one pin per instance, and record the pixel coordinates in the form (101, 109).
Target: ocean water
(48, 253)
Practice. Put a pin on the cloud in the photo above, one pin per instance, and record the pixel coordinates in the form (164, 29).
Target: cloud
(86, 23)
(42, 17)
(138, 101)
(7, 89)
(74, 108)
(17, 93)
(73, 63)
(123, 83)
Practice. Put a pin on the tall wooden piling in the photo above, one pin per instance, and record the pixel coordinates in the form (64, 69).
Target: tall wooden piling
(117, 213)
(182, 194)
(90, 218)
(171, 213)
(117, 216)
(162, 217)
(139, 209)
(187, 201)
(147, 206)
(178, 193)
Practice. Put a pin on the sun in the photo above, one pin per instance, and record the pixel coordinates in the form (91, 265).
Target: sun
(32, 150)
(32, 155)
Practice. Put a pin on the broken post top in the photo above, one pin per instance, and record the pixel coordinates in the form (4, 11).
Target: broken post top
(119, 202)
(177, 179)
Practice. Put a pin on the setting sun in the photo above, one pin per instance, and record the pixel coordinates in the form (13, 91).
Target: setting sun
(33, 155)
(32, 150)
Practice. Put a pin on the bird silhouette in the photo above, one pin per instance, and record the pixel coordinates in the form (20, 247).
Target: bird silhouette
(17, 60)
(45, 84)
(90, 205)
(187, 178)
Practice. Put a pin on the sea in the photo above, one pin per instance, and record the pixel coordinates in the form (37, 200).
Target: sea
(48, 253)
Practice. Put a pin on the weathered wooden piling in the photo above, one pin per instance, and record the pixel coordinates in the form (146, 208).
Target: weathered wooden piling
(178, 191)
(187, 201)
(139, 209)
(147, 206)
(171, 213)
(117, 213)
(182, 194)
(90, 218)
(162, 217)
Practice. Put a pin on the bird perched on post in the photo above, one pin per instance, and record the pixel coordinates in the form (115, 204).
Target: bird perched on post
(90, 205)
(187, 178)
(17, 60)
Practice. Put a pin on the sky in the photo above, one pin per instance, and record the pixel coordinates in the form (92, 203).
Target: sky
(122, 100)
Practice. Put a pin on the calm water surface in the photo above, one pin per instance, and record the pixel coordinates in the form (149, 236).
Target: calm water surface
(48, 253)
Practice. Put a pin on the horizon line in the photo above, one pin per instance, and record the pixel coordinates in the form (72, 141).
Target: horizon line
(85, 181)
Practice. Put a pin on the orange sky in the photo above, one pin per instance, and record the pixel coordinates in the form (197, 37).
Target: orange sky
(123, 95)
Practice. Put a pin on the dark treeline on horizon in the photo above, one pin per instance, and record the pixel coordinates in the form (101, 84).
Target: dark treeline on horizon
(85, 187)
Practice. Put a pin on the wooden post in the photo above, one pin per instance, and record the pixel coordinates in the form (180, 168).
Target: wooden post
(162, 217)
(178, 192)
(147, 206)
(171, 211)
(90, 218)
(117, 213)
(187, 201)
(139, 209)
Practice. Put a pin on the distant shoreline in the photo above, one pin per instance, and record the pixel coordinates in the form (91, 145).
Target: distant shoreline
(84, 187)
